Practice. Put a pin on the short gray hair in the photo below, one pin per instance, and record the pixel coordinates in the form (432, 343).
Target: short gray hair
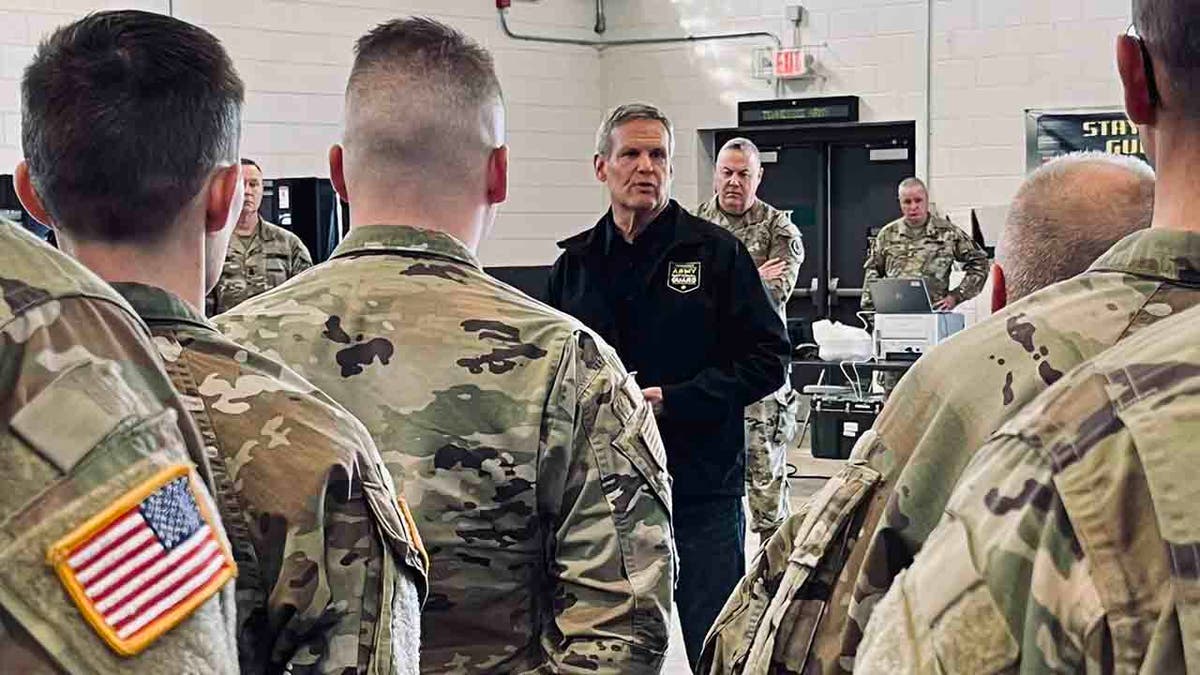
(743, 145)
(1067, 213)
(912, 182)
(628, 113)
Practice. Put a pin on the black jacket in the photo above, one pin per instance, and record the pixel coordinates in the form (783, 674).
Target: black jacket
(685, 308)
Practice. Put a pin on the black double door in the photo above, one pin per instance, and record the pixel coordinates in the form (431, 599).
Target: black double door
(839, 182)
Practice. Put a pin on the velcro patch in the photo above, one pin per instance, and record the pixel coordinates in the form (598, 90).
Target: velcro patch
(139, 567)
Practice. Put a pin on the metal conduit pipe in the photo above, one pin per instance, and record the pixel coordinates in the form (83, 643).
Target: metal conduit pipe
(601, 21)
(502, 9)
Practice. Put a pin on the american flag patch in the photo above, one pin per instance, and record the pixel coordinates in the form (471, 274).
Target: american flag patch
(139, 567)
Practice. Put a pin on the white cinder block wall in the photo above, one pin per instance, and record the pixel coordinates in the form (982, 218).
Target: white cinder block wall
(295, 56)
(991, 60)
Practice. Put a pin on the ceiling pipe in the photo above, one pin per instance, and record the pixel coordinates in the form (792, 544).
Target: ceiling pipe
(503, 5)
(601, 21)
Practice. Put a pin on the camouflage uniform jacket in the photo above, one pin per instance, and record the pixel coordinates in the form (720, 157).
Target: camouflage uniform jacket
(946, 407)
(929, 252)
(306, 501)
(532, 463)
(88, 417)
(256, 264)
(1071, 542)
(768, 234)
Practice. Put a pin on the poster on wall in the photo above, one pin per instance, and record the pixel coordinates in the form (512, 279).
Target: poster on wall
(1049, 134)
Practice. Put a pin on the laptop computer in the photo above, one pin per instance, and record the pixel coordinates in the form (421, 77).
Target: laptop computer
(901, 296)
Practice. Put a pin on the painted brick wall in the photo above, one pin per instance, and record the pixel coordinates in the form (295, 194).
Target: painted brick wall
(295, 55)
(991, 60)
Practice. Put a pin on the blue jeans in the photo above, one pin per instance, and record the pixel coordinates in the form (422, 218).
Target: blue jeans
(711, 539)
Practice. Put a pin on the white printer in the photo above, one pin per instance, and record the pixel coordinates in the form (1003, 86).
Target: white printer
(907, 336)
(905, 324)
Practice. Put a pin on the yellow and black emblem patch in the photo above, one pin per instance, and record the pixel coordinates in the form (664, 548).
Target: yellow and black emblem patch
(683, 277)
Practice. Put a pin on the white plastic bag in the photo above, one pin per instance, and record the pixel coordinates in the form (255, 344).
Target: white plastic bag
(839, 342)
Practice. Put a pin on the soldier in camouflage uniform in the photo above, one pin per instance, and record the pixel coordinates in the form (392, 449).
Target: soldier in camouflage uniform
(261, 254)
(1081, 511)
(530, 459)
(922, 244)
(1071, 542)
(775, 245)
(70, 347)
(929, 430)
(329, 565)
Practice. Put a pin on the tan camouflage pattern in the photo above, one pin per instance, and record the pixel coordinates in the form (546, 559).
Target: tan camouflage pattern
(954, 398)
(88, 414)
(929, 252)
(768, 233)
(256, 264)
(769, 619)
(306, 500)
(1072, 542)
(530, 459)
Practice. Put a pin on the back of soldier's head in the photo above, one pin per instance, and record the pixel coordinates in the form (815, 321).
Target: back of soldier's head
(1170, 30)
(423, 105)
(124, 116)
(1069, 212)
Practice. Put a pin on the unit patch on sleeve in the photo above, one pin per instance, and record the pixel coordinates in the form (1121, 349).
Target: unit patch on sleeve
(139, 567)
(683, 277)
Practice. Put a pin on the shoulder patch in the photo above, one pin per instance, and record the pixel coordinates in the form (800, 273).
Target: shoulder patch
(139, 567)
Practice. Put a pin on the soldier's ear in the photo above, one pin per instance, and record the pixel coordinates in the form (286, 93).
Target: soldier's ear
(224, 199)
(999, 288)
(337, 172)
(27, 194)
(497, 175)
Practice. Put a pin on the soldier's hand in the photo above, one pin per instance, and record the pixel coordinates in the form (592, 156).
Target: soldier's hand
(654, 397)
(772, 269)
(946, 304)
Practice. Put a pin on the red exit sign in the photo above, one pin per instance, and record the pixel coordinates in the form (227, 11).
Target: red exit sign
(790, 63)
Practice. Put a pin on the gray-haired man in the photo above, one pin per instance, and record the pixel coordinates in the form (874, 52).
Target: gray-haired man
(775, 245)
(682, 302)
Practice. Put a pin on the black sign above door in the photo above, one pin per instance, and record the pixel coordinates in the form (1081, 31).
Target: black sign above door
(793, 111)
(1050, 134)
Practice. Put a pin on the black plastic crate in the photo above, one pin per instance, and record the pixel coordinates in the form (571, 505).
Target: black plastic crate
(838, 422)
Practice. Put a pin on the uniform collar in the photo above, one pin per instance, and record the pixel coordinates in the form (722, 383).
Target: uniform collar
(1161, 254)
(155, 305)
(596, 239)
(755, 214)
(261, 231)
(914, 231)
(265, 230)
(404, 239)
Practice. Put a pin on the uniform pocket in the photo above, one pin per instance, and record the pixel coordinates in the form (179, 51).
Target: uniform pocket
(786, 425)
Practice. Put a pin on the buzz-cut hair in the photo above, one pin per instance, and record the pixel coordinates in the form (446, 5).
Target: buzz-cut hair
(1170, 30)
(744, 145)
(630, 112)
(422, 94)
(1067, 213)
(124, 116)
(912, 182)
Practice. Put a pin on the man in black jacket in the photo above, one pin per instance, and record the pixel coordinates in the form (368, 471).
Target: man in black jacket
(681, 301)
